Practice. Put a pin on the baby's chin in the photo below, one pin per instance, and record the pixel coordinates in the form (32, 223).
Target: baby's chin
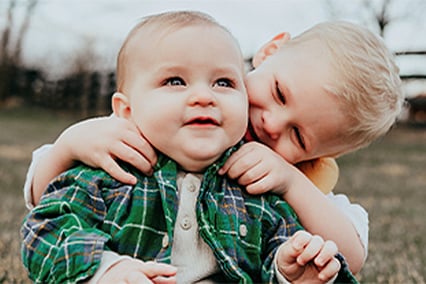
(196, 160)
(195, 166)
(197, 154)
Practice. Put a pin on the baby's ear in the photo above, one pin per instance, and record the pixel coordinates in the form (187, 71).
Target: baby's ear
(323, 172)
(270, 48)
(121, 105)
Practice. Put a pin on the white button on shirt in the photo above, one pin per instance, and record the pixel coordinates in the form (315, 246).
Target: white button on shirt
(192, 187)
(243, 230)
(165, 241)
(185, 223)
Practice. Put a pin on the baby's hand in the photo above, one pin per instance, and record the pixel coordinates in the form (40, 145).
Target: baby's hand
(305, 258)
(260, 169)
(99, 142)
(136, 271)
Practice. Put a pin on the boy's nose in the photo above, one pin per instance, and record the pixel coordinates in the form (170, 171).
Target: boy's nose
(272, 125)
(202, 96)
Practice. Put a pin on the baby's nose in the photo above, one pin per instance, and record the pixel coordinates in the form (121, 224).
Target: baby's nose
(202, 96)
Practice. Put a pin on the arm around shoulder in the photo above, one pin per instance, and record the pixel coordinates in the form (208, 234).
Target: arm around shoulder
(51, 163)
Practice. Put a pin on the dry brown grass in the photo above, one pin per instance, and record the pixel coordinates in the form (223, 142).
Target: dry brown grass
(21, 131)
(388, 179)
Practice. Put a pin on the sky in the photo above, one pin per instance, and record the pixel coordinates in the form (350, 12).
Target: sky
(60, 28)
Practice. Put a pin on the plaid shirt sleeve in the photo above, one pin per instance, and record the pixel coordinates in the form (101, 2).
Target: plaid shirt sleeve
(286, 224)
(60, 241)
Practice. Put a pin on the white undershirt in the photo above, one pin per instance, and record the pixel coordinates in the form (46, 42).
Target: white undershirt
(190, 254)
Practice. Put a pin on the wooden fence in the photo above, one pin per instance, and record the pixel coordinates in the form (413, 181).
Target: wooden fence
(90, 93)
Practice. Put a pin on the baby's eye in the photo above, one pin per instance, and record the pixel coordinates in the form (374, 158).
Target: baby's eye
(224, 83)
(280, 95)
(174, 81)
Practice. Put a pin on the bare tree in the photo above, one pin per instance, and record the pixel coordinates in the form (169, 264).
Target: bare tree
(83, 65)
(379, 14)
(10, 51)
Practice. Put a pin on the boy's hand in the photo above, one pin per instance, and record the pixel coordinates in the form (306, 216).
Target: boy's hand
(260, 169)
(136, 271)
(99, 142)
(305, 258)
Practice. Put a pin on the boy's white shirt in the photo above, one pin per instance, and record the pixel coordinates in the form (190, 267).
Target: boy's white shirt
(355, 212)
(36, 157)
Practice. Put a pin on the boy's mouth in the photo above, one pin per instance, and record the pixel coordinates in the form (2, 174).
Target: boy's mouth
(250, 134)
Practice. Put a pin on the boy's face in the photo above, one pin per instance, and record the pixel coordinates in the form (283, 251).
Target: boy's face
(187, 93)
(290, 111)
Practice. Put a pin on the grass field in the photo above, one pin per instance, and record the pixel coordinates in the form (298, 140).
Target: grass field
(388, 179)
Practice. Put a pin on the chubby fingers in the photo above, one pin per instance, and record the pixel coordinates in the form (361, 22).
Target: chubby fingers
(321, 253)
(238, 162)
(132, 148)
(330, 270)
(164, 280)
(247, 165)
(324, 260)
(151, 272)
(153, 269)
(327, 253)
(135, 150)
(111, 167)
(311, 248)
(132, 277)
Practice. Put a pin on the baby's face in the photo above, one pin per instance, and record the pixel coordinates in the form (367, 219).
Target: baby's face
(290, 111)
(187, 93)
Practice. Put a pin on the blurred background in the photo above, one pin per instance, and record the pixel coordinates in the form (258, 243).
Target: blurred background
(57, 61)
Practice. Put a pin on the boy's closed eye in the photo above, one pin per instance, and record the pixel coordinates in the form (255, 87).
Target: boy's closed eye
(297, 133)
(280, 94)
(299, 138)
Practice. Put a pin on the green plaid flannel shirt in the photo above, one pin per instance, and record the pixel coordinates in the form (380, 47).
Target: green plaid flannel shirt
(85, 212)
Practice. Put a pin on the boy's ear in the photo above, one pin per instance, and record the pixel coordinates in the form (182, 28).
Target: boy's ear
(270, 48)
(121, 105)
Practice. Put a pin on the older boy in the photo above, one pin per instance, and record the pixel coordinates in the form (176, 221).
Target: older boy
(193, 110)
(329, 91)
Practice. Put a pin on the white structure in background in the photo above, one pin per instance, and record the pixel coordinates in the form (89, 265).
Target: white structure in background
(413, 73)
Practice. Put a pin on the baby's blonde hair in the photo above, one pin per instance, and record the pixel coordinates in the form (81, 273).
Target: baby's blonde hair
(366, 80)
(167, 21)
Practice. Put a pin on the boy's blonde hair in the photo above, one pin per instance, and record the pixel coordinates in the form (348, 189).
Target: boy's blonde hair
(167, 21)
(366, 80)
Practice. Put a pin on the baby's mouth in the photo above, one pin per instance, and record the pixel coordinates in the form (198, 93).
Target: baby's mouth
(202, 121)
